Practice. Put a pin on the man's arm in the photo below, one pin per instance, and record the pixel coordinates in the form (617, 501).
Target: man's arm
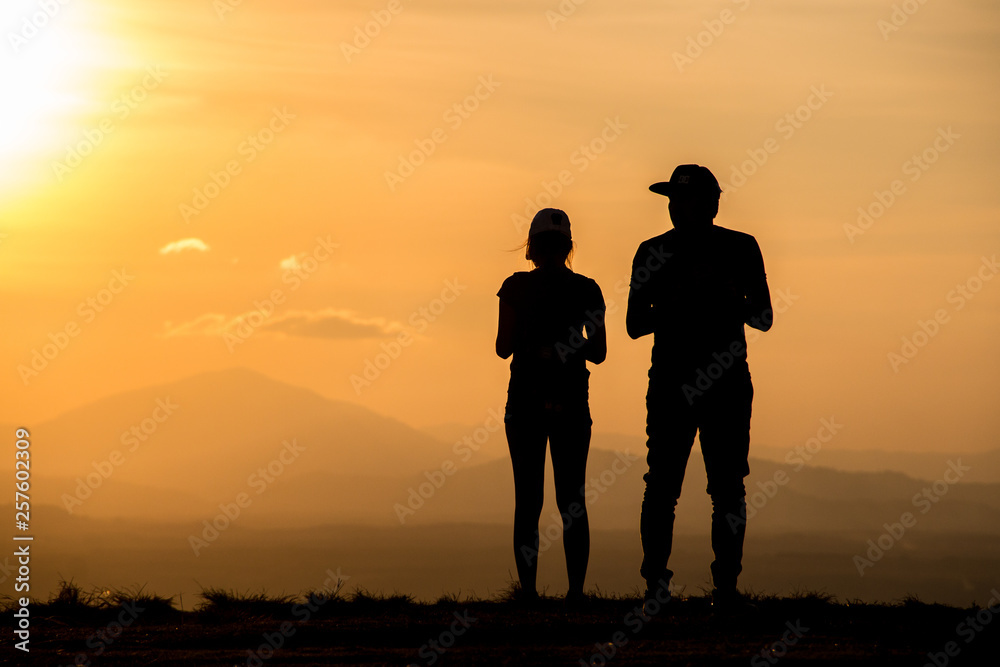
(758, 313)
(639, 314)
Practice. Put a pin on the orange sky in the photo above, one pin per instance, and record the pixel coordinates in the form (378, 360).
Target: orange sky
(222, 159)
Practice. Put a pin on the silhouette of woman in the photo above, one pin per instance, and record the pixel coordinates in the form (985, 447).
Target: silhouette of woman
(552, 322)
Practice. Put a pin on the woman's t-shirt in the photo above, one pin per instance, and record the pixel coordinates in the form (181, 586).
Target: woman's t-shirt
(550, 307)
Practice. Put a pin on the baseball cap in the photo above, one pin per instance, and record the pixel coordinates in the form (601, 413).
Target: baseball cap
(689, 180)
(550, 220)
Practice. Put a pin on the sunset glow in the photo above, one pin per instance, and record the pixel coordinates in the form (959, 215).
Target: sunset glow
(325, 197)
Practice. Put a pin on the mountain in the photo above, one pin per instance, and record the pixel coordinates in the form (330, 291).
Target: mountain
(781, 498)
(922, 465)
(146, 471)
(216, 435)
(427, 560)
(985, 465)
(179, 451)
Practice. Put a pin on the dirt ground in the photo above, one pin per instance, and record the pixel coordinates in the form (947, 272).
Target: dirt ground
(599, 632)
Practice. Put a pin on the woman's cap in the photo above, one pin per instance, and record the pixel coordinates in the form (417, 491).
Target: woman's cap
(550, 220)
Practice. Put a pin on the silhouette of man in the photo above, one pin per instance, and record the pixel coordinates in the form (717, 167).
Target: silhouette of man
(694, 288)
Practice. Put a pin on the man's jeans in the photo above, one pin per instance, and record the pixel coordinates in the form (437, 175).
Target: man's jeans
(721, 414)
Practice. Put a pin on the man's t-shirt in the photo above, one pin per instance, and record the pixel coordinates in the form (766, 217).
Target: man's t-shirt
(695, 287)
(550, 306)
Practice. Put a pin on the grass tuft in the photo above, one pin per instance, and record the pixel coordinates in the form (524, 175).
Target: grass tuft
(229, 602)
(395, 601)
(70, 600)
(71, 597)
(149, 603)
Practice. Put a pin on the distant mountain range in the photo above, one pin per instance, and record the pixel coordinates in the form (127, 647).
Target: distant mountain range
(175, 452)
(985, 465)
(320, 484)
(211, 437)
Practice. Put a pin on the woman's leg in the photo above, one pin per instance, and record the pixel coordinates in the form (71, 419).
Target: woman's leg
(526, 439)
(570, 443)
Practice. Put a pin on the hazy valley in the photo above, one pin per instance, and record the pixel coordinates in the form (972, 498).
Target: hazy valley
(156, 499)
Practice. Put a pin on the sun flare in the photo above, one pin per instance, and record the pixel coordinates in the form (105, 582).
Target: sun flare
(47, 75)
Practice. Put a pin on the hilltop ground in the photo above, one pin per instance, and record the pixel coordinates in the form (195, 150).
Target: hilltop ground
(361, 629)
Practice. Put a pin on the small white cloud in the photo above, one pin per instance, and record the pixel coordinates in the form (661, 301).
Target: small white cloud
(209, 324)
(290, 263)
(184, 244)
(328, 323)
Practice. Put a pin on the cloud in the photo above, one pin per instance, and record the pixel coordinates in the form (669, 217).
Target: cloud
(209, 324)
(330, 323)
(184, 244)
(327, 323)
(290, 263)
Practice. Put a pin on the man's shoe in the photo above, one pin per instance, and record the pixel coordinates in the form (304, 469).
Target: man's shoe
(731, 601)
(656, 598)
(525, 598)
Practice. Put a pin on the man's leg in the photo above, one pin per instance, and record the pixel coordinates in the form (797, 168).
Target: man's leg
(670, 428)
(725, 445)
(569, 441)
(526, 437)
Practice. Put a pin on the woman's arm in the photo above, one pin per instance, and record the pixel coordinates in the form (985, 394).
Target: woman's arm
(505, 330)
(595, 350)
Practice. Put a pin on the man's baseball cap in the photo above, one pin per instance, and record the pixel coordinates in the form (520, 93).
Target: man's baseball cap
(550, 220)
(691, 180)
